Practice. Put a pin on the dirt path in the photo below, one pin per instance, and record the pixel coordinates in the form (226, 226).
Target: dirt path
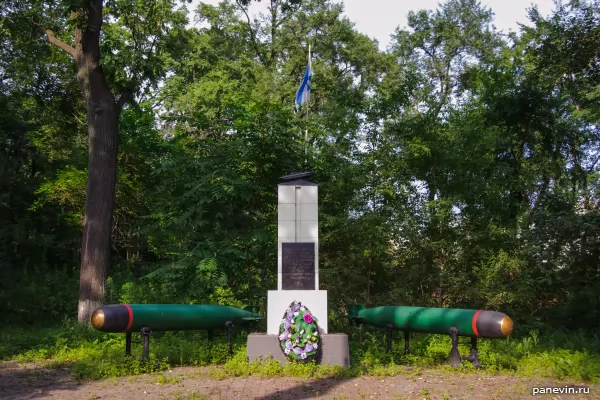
(30, 382)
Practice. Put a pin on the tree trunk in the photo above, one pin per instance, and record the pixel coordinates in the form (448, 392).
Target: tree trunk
(369, 271)
(102, 118)
(249, 276)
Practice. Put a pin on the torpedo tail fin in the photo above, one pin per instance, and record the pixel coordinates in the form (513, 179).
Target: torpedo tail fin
(353, 315)
(254, 310)
(354, 310)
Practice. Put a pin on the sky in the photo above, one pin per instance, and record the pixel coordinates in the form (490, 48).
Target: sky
(379, 19)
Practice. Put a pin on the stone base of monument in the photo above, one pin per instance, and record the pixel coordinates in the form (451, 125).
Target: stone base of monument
(334, 349)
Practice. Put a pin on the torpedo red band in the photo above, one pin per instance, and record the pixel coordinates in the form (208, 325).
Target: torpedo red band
(130, 312)
(474, 323)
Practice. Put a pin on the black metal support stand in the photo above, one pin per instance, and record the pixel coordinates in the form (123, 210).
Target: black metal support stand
(406, 337)
(128, 343)
(454, 354)
(474, 355)
(388, 331)
(146, 341)
(229, 327)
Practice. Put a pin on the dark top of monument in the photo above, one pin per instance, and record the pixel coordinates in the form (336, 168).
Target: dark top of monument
(298, 179)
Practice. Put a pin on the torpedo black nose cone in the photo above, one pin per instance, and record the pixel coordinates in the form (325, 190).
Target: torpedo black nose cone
(494, 325)
(112, 318)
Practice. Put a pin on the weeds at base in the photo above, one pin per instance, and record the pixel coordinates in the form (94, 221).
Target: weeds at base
(89, 355)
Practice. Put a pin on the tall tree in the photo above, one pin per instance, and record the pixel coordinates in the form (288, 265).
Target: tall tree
(234, 116)
(419, 101)
(120, 51)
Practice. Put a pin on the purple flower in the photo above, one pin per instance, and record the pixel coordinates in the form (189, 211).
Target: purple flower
(288, 344)
(308, 348)
(298, 350)
(287, 325)
(308, 318)
(296, 307)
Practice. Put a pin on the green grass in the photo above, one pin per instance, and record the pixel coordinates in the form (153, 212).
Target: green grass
(93, 355)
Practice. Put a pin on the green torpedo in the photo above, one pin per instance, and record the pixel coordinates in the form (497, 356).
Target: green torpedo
(167, 317)
(473, 323)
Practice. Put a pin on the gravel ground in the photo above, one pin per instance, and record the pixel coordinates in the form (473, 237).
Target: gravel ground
(25, 381)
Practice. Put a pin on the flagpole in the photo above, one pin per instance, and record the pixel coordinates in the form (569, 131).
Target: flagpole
(307, 108)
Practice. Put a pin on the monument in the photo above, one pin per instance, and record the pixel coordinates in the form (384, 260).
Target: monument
(297, 311)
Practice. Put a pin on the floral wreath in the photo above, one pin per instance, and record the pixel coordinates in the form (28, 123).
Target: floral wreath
(298, 333)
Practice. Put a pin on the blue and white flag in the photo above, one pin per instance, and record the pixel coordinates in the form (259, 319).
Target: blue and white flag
(303, 93)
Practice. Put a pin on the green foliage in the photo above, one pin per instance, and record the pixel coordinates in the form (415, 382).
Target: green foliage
(93, 355)
(38, 244)
(66, 191)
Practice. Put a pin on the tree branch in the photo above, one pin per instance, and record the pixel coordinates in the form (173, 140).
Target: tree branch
(591, 168)
(252, 34)
(288, 16)
(274, 5)
(126, 97)
(59, 43)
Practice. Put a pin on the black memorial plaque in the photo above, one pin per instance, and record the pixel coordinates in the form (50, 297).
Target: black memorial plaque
(298, 266)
